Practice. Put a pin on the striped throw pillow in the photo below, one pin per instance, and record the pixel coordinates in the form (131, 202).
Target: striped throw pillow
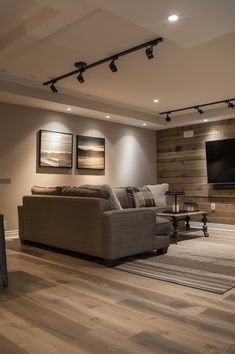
(140, 197)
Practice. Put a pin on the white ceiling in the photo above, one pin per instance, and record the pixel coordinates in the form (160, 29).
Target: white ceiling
(41, 39)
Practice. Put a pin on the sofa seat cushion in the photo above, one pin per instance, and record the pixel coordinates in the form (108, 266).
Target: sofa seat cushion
(163, 226)
(142, 197)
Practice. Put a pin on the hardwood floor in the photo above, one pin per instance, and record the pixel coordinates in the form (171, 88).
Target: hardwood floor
(61, 304)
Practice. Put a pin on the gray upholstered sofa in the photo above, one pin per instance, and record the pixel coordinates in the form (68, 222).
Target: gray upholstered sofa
(91, 226)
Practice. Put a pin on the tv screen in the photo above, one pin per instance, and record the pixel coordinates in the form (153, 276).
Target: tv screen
(220, 157)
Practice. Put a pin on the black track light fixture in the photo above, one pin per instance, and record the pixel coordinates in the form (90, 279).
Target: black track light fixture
(230, 104)
(113, 66)
(82, 66)
(80, 78)
(200, 111)
(53, 88)
(149, 52)
(168, 118)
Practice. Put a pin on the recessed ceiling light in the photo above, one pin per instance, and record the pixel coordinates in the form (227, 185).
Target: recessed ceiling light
(68, 109)
(173, 18)
(156, 100)
(205, 120)
(107, 117)
(144, 124)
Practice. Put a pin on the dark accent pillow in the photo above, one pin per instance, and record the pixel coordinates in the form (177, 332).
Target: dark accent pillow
(36, 190)
(130, 197)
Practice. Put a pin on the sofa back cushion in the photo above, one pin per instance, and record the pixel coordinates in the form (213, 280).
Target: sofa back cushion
(36, 190)
(121, 194)
(94, 191)
(75, 191)
(158, 192)
(110, 195)
(140, 197)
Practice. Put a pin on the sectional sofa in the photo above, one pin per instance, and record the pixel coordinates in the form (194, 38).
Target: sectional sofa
(95, 221)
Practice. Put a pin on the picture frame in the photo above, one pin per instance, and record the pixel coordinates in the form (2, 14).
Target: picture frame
(55, 149)
(90, 152)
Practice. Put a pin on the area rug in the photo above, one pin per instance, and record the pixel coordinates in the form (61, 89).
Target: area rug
(198, 262)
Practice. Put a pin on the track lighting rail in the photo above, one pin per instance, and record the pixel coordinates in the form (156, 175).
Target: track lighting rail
(198, 107)
(111, 58)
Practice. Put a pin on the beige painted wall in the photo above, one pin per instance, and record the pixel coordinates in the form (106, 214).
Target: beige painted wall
(130, 154)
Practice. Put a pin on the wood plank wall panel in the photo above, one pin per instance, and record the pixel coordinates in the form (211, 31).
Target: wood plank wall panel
(181, 162)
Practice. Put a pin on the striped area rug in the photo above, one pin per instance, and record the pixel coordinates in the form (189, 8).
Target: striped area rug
(198, 262)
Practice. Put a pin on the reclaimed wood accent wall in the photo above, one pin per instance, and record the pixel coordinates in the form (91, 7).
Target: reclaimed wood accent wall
(181, 162)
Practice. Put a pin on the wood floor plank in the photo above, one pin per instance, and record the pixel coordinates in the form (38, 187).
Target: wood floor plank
(160, 344)
(37, 341)
(9, 347)
(212, 328)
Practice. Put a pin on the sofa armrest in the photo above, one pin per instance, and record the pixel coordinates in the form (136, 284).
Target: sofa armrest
(128, 232)
(72, 223)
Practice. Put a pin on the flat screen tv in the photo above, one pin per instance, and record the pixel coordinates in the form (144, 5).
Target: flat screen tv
(220, 157)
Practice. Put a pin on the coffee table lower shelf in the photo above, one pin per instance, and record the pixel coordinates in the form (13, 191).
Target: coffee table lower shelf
(186, 216)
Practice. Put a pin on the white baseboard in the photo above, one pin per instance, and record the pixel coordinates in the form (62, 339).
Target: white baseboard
(213, 226)
(12, 234)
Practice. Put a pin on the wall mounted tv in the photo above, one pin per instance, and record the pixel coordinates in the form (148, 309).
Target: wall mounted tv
(220, 157)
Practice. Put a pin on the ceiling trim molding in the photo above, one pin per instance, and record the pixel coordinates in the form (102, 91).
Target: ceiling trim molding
(105, 108)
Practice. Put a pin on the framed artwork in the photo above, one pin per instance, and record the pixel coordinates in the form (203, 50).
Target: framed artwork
(90, 153)
(55, 149)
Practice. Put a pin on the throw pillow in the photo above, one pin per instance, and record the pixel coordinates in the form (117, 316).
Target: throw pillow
(158, 192)
(142, 197)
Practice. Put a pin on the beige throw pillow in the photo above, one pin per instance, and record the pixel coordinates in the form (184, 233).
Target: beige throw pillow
(158, 192)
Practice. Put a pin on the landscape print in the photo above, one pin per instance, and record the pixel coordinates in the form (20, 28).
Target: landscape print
(90, 152)
(55, 149)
